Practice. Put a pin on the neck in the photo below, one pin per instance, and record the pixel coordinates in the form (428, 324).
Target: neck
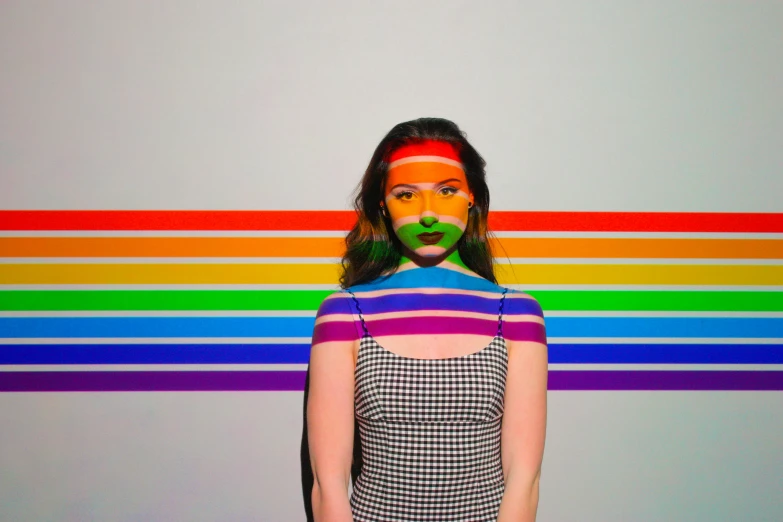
(449, 258)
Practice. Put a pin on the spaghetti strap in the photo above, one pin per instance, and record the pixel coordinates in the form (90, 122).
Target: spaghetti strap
(358, 309)
(500, 313)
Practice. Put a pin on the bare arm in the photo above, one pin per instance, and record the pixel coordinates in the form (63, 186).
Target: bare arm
(524, 430)
(330, 421)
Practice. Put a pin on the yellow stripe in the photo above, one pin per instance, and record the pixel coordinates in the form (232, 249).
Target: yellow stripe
(160, 274)
(640, 274)
(52, 274)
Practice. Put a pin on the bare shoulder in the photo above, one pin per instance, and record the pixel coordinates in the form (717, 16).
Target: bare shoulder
(333, 346)
(526, 344)
(523, 322)
(518, 302)
(334, 326)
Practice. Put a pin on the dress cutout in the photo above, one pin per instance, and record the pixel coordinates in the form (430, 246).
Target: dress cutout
(430, 433)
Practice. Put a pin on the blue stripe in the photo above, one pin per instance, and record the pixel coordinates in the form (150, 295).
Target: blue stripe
(662, 327)
(155, 354)
(300, 353)
(70, 327)
(417, 301)
(666, 353)
(583, 327)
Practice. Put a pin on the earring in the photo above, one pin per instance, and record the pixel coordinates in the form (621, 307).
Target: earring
(470, 205)
(383, 211)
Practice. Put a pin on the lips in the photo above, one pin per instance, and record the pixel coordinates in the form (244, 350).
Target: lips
(430, 238)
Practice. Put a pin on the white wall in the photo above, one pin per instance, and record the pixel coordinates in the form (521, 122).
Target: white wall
(610, 105)
(610, 456)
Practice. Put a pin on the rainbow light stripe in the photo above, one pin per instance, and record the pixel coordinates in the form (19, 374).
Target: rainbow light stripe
(226, 300)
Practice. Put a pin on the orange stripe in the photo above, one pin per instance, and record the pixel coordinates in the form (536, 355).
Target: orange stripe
(589, 248)
(171, 247)
(586, 248)
(168, 274)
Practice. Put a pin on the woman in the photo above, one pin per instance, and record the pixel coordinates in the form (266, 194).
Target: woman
(444, 370)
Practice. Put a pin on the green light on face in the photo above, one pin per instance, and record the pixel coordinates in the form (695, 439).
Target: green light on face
(408, 235)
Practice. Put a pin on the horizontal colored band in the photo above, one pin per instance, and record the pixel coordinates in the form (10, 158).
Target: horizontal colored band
(177, 246)
(167, 299)
(660, 301)
(665, 353)
(23, 354)
(154, 353)
(152, 381)
(295, 380)
(666, 380)
(425, 148)
(190, 274)
(202, 327)
(551, 300)
(177, 220)
(652, 248)
(343, 220)
(620, 274)
(516, 330)
(481, 304)
(184, 274)
(638, 248)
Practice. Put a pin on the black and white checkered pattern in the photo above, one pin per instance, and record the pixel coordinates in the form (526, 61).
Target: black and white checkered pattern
(430, 431)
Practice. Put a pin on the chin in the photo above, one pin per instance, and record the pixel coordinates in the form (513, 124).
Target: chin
(430, 251)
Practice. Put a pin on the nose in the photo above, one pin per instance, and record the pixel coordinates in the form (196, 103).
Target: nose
(429, 220)
(428, 216)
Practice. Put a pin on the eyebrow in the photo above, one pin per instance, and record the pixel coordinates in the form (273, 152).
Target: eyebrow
(404, 185)
(448, 180)
(407, 185)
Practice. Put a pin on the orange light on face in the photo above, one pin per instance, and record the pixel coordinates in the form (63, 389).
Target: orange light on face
(416, 189)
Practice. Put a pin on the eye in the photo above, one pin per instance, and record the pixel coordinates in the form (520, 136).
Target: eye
(447, 191)
(404, 195)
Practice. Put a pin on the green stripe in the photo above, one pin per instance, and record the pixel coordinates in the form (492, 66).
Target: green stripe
(668, 301)
(33, 300)
(162, 299)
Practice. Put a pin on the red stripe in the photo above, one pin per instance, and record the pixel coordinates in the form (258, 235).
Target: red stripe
(176, 220)
(342, 220)
(636, 221)
(425, 148)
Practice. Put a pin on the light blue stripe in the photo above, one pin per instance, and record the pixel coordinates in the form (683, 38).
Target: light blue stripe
(140, 327)
(428, 278)
(657, 327)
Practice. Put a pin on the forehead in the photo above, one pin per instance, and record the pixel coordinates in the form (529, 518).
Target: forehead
(424, 162)
(424, 172)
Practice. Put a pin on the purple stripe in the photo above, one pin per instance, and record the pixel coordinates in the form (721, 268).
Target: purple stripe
(294, 381)
(666, 380)
(151, 381)
(336, 331)
(516, 331)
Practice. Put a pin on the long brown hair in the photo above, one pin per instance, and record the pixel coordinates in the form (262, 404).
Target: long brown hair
(372, 247)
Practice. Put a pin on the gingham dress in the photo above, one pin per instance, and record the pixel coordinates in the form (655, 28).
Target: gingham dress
(430, 433)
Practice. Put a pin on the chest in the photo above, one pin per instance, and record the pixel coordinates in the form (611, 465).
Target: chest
(433, 346)
(467, 388)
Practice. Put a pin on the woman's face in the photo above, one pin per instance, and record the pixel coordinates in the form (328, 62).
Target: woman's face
(427, 196)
